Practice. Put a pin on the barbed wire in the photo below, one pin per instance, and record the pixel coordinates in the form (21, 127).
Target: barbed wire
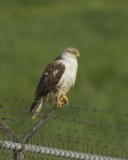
(85, 108)
(15, 99)
(92, 123)
(72, 119)
(99, 111)
(79, 121)
(14, 108)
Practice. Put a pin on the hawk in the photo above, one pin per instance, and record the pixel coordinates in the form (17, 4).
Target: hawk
(57, 79)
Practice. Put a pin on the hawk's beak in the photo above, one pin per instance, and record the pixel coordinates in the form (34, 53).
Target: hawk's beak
(78, 55)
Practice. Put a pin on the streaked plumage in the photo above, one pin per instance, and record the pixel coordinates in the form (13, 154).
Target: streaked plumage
(58, 77)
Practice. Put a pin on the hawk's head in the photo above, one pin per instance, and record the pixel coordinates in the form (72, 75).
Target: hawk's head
(71, 52)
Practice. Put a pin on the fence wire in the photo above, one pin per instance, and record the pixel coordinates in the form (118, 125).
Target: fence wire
(88, 134)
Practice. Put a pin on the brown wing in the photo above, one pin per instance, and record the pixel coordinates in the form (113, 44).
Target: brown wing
(49, 79)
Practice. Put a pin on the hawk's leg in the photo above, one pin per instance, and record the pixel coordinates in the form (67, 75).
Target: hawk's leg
(64, 99)
(59, 103)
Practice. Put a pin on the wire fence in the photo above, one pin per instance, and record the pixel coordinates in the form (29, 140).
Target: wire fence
(75, 132)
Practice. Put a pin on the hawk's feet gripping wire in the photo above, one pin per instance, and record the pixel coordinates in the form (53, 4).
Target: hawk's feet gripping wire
(59, 103)
(64, 100)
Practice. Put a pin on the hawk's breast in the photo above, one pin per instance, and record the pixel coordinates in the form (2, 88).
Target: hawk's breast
(69, 76)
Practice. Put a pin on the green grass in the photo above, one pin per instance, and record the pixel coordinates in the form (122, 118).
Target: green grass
(32, 33)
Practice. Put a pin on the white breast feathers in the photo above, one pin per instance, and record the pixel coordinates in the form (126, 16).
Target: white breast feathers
(69, 76)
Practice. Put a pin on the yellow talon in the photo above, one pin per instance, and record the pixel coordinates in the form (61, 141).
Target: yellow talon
(64, 100)
(59, 104)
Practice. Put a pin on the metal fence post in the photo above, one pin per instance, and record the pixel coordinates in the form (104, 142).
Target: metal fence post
(38, 125)
(19, 154)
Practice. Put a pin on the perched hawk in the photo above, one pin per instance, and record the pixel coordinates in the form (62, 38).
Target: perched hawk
(58, 77)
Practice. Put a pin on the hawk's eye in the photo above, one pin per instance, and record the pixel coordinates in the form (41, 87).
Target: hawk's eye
(74, 52)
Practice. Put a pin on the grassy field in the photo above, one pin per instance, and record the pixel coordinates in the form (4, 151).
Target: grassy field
(32, 33)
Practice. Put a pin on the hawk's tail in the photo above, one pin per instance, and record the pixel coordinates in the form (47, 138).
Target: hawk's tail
(36, 108)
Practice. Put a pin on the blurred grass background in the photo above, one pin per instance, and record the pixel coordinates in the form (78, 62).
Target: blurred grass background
(32, 33)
